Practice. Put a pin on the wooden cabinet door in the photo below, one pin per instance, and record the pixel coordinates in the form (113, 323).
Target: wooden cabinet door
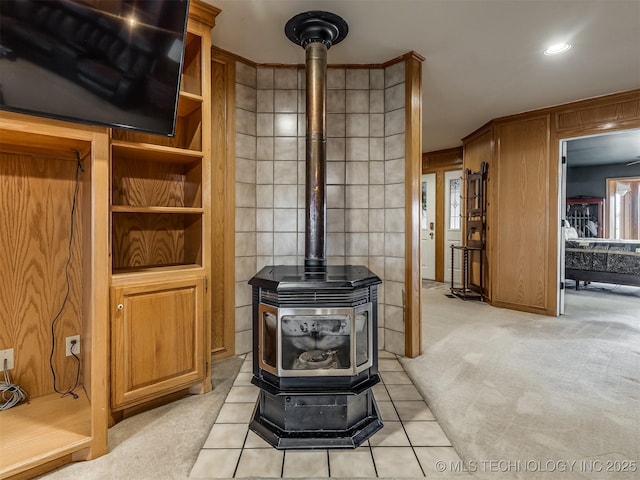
(157, 339)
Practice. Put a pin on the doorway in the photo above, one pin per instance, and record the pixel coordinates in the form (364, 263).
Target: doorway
(600, 211)
(428, 227)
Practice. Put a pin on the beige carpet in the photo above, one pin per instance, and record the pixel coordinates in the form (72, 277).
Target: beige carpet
(526, 396)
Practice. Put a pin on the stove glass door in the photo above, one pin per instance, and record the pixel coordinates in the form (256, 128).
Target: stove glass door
(363, 337)
(268, 338)
(318, 341)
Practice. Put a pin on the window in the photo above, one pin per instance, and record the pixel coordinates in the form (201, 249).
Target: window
(454, 204)
(624, 208)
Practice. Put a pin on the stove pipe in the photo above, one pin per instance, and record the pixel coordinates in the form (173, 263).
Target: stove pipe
(316, 31)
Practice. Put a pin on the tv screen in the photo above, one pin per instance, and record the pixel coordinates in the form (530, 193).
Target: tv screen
(107, 62)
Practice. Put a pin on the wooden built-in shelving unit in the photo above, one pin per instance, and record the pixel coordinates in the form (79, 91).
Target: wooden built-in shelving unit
(160, 242)
(38, 170)
(142, 226)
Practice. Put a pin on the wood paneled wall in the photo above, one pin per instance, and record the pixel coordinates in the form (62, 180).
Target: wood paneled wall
(523, 214)
(223, 81)
(36, 195)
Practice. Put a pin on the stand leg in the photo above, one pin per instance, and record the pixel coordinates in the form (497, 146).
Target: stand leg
(452, 262)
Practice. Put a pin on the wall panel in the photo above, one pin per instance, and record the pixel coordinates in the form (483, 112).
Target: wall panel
(522, 214)
(37, 195)
(223, 88)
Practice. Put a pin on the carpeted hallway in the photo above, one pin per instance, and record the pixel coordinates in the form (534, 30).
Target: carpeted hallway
(525, 396)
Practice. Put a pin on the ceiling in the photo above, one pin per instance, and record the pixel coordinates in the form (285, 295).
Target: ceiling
(483, 57)
(612, 148)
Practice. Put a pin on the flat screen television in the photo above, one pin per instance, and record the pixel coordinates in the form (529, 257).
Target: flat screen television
(107, 62)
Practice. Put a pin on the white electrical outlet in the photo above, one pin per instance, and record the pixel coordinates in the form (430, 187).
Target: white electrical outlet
(7, 355)
(76, 345)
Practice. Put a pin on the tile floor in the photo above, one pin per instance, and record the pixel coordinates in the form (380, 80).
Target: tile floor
(409, 445)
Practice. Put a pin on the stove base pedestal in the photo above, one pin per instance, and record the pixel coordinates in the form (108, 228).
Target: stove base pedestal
(316, 421)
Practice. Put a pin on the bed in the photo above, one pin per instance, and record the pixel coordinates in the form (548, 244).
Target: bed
(603, 260)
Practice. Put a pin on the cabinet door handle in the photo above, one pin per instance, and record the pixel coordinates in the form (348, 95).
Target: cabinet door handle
(120, 306)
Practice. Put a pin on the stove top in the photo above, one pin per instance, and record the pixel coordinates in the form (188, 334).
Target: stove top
(283, 277)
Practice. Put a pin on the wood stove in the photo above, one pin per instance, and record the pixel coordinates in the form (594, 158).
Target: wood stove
(315, 357)
(315, 354)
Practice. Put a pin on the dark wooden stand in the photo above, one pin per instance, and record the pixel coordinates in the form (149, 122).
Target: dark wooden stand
(468, 290)
(475, 222)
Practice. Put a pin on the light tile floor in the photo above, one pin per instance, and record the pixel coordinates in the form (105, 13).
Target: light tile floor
(411, 443)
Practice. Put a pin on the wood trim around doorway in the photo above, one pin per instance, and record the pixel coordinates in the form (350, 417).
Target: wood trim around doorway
(439, 162)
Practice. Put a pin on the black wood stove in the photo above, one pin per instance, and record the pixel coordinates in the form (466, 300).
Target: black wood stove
(315, 346)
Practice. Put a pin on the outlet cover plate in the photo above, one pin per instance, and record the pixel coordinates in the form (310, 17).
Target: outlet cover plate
(76, 347)
(8, 355)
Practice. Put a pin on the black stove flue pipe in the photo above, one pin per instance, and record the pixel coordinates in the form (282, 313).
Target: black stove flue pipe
(316, 31)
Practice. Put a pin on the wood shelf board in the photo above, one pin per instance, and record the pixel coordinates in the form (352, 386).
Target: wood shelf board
(28, 143)
(153, 153)
(188, 103)
(176, 210)
(127, 273)
(45, 428)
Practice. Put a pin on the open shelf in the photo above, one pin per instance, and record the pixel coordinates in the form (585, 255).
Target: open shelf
(45, 428)
(188, 133)
(188, 103)
(141, 241)
(191, 80)
(165, 186)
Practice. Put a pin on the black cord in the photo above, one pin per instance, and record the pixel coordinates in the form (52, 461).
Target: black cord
(71, 390)
(68, 289)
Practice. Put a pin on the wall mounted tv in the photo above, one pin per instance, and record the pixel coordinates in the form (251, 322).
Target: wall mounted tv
(107, 62)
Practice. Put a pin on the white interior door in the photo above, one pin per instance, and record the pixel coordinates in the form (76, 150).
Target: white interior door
(428, 227)
(452, 223)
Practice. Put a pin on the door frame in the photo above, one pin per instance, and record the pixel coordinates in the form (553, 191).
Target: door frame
(440, 250)
(562, 212)
(562, 194)
(439, 162)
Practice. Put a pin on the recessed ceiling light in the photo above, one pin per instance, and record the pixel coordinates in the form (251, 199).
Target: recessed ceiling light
(557, 49)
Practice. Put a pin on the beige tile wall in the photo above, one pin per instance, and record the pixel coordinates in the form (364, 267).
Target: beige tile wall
(394, 213)
(365, 181)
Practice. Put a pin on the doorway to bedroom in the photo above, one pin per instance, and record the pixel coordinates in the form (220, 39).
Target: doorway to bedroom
(600, 208)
